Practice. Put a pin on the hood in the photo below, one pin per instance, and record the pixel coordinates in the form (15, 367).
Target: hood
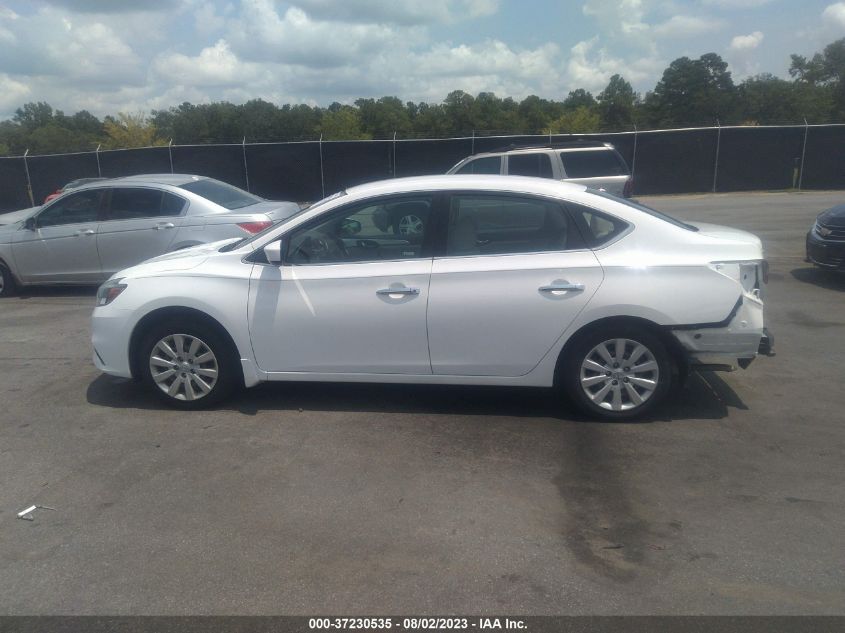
(184, 259)
(276, 209)
(725, 233)
(831, 217)
(14, 217)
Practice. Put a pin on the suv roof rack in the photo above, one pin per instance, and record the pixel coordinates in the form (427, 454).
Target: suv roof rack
(559, 145)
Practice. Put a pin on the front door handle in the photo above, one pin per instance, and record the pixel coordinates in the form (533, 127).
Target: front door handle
(398, 291)
(164, 225)
(85, 232)
(561, 287)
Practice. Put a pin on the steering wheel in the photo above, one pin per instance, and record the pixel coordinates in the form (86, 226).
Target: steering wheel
(322, 247)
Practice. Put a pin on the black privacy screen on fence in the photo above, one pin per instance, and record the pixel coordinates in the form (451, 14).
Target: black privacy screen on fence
(681, 161)
(223, 162)
(824, 162)
(128, 162)
(670, 161)
(758, 158)
(13, 193)
(285, 171)
(49, 173)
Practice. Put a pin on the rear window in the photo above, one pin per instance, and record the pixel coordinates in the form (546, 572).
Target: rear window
(220, 193)
(536, 165)
(593, 163)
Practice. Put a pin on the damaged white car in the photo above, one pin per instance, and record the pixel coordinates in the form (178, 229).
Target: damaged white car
(488, 280)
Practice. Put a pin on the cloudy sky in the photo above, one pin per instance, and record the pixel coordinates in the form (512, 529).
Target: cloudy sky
(136, 55)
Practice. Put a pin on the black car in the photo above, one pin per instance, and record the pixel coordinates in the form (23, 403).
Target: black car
(826, 240)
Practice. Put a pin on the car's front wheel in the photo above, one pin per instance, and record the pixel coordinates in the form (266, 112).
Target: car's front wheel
(7, 282)
(618, 372)
(188, 365)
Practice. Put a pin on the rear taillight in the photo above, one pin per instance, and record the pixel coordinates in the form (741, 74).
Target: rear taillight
(254, 227)
(628, 191)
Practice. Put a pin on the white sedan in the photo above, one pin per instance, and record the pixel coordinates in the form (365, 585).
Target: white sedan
(496, 281)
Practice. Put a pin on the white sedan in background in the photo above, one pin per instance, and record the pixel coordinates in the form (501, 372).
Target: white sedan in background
(91, 231)
(511, 281)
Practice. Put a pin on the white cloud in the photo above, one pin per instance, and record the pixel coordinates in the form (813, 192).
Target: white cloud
(746, 42)
(400, 12)
(685, 26)
(214, 66)
(591, 68)
(12, 93)
(737, 4)
(206, 19)
(834, 15)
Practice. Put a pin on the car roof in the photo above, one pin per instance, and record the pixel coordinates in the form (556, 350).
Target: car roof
(514, 184)
(570, 146)
(175, 180)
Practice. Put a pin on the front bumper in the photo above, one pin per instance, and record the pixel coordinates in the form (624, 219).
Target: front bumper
(110, 331)
(726, 347)
(825, 253)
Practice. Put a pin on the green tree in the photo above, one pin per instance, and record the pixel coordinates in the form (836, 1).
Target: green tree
(130, 130)
(578, 98)
(693, 92)
(617, 104)
(578, 121)
(33, 115)
(383, 117)
(824, 70)
(341, 124)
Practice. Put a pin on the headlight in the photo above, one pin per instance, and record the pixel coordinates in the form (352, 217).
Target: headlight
(109, 291)
(820, 230)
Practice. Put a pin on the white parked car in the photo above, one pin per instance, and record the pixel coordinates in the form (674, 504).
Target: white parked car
(514, 281)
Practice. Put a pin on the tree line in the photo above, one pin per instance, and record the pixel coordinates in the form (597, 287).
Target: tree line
(691, 92)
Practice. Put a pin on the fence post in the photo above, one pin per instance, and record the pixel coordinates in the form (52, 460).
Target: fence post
(718, 143)
(473, 142)
(97, 155)
(634, 158)
(28, 181)
(803, 153)
(246, 169)
(394, 154)
(322, 175)
(170, 153)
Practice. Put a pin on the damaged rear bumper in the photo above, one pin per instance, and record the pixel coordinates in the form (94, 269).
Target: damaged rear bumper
(734, 343)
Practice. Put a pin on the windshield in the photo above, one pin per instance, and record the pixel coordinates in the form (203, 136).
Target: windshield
(220, 193)
(249, 240)
(641, 207)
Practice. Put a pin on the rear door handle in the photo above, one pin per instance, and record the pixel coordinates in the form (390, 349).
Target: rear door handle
(398, 291)
(164, 225)
(85, 232)
(561, 287)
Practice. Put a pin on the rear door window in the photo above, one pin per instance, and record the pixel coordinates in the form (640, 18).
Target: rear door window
(128, 203)
(535, 165)
(593, 163)
(486, 165)
(503, 224)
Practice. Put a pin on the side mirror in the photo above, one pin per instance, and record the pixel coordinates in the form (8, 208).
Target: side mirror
(30, 224)
(273, 252)
(350, 227)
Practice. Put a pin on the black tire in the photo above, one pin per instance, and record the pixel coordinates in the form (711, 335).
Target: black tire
(8, 287)
(195, 371)
(584, 384)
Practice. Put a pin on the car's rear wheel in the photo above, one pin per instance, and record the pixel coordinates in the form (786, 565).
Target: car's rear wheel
(618, 372)
(188, 365)
(7, 282)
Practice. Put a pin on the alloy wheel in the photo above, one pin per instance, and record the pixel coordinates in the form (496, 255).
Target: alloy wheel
(183, 367)
(410, 225)
(619, 374)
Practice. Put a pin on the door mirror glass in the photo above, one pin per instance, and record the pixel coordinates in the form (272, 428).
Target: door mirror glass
(273, 252)
(350, 227)
(29, 225)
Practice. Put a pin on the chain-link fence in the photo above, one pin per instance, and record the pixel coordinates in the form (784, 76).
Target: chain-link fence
(662, 161)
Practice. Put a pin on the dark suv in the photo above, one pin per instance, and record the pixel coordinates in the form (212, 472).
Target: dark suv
(594, 164)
